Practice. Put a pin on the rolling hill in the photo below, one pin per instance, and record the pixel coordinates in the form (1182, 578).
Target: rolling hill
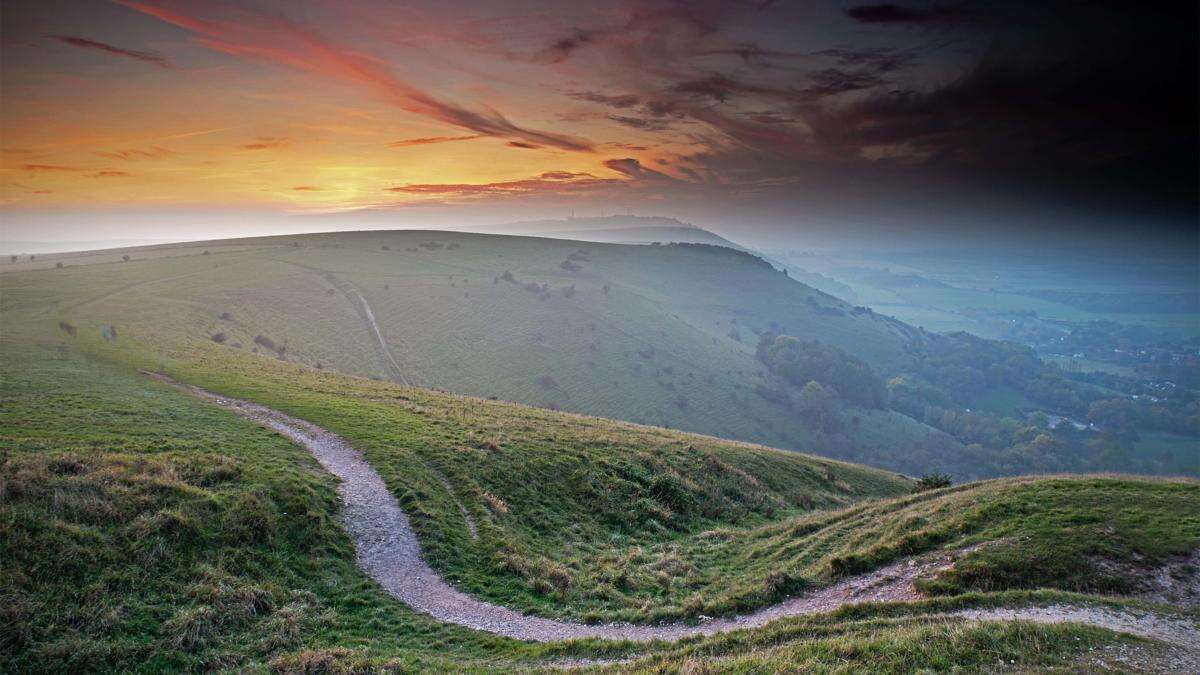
(143, 527)
(661, 335)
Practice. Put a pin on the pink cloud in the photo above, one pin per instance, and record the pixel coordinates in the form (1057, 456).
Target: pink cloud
(254, 35)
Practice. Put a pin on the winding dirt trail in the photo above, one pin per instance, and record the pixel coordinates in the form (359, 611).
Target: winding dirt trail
(389, 552)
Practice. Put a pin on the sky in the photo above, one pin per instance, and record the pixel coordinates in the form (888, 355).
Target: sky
(1057, 120)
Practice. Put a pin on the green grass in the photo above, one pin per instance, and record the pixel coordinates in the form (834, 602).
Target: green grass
(884, 646)
(144, 529)
(657, 347)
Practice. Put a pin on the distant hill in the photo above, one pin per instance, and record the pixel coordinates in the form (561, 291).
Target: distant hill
(620, 230)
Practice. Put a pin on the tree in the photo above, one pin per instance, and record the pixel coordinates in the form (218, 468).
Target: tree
(818, 405)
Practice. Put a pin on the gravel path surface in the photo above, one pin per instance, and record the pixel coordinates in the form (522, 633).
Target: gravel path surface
(388, 551)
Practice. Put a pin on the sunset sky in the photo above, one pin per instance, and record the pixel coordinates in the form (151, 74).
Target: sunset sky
(171, 117)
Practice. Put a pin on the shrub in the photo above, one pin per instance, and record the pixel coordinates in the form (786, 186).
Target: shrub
(124, 257)
(268, 343)
(933, 481)
(67, 328)
(218, 337)
(58, 265)
(226, 316)
(568, 291)
(570, 266)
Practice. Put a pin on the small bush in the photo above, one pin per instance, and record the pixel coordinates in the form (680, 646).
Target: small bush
(218, 338)
(933, 481)
(66, 328)
(125, 258)
(226, 316)
(570, 266)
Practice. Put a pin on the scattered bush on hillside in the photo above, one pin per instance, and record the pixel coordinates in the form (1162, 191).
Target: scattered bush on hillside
(385, 247)
(579, 256)
(547, 382)
(647, 353)
(508, 276)
(570, 266)
(606, 290)
(451, 246)
(124, 257)
(205, 252)
(268, 343)
(432, 245)
(12, 258)
(218, 337)
(58, 265)
(225, 316)
(568, 291)
(735, 334)
(933, 481)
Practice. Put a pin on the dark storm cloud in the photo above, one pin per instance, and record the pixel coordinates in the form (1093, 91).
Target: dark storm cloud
(611, 100)
(832, 81)
(889, 13)
(632, 168)
(878, 59)
(642, 123)
(560, 50)
(83, 43)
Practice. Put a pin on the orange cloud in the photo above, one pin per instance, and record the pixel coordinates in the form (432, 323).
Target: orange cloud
(276, 40)
(266, 143)
(408, 142)
(49, 167)
(132, 154)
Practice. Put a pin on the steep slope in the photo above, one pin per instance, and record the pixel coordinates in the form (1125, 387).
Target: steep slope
(663, 335)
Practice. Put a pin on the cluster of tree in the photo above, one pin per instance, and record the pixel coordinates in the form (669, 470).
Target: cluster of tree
(800, 362)
(965, 366)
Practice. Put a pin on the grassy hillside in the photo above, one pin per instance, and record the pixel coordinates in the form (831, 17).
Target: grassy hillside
(661, 335)
(144, 528)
